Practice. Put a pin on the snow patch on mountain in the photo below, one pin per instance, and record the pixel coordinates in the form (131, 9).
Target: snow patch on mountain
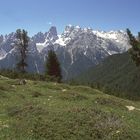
(2, 54)
(61, 41)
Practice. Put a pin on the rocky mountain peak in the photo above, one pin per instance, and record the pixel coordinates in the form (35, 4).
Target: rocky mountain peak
(52, 34)
(1, 38)
(39, 38)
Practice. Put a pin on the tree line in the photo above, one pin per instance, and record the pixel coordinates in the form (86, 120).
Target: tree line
(21, 44)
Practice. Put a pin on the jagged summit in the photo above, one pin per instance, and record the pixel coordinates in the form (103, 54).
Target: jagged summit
(52, 34)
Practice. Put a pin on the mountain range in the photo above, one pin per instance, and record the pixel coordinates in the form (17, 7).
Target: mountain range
(78, 49)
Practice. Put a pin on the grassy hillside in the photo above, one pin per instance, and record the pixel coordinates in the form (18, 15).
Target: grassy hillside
(116, 75)
(40, 111)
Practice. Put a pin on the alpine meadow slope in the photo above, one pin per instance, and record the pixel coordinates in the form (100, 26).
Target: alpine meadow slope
(44, 110)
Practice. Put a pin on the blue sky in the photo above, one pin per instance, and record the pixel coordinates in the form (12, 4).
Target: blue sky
(39, 15)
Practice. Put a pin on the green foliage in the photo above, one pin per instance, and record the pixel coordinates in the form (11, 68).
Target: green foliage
(18, 75)
(21, 45)
(139, 36)
(53, 66)
(13, 74)
(135, 50)
(116, 75)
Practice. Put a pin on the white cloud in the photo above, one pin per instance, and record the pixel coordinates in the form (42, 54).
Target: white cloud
(50, 23)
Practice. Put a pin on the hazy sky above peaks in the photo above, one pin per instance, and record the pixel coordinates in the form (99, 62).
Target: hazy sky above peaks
(40, 15)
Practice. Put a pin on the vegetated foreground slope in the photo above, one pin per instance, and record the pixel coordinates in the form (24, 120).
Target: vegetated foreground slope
(40, 111)
(117, 74)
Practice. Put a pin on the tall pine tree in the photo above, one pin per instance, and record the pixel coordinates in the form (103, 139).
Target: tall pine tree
(135, 50)
(139, 36)
(53, 66)
(21, 44)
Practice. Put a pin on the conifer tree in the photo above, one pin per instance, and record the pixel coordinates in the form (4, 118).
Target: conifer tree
(53, 66)
(21, 44)
(135, 50)
(139, 36)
